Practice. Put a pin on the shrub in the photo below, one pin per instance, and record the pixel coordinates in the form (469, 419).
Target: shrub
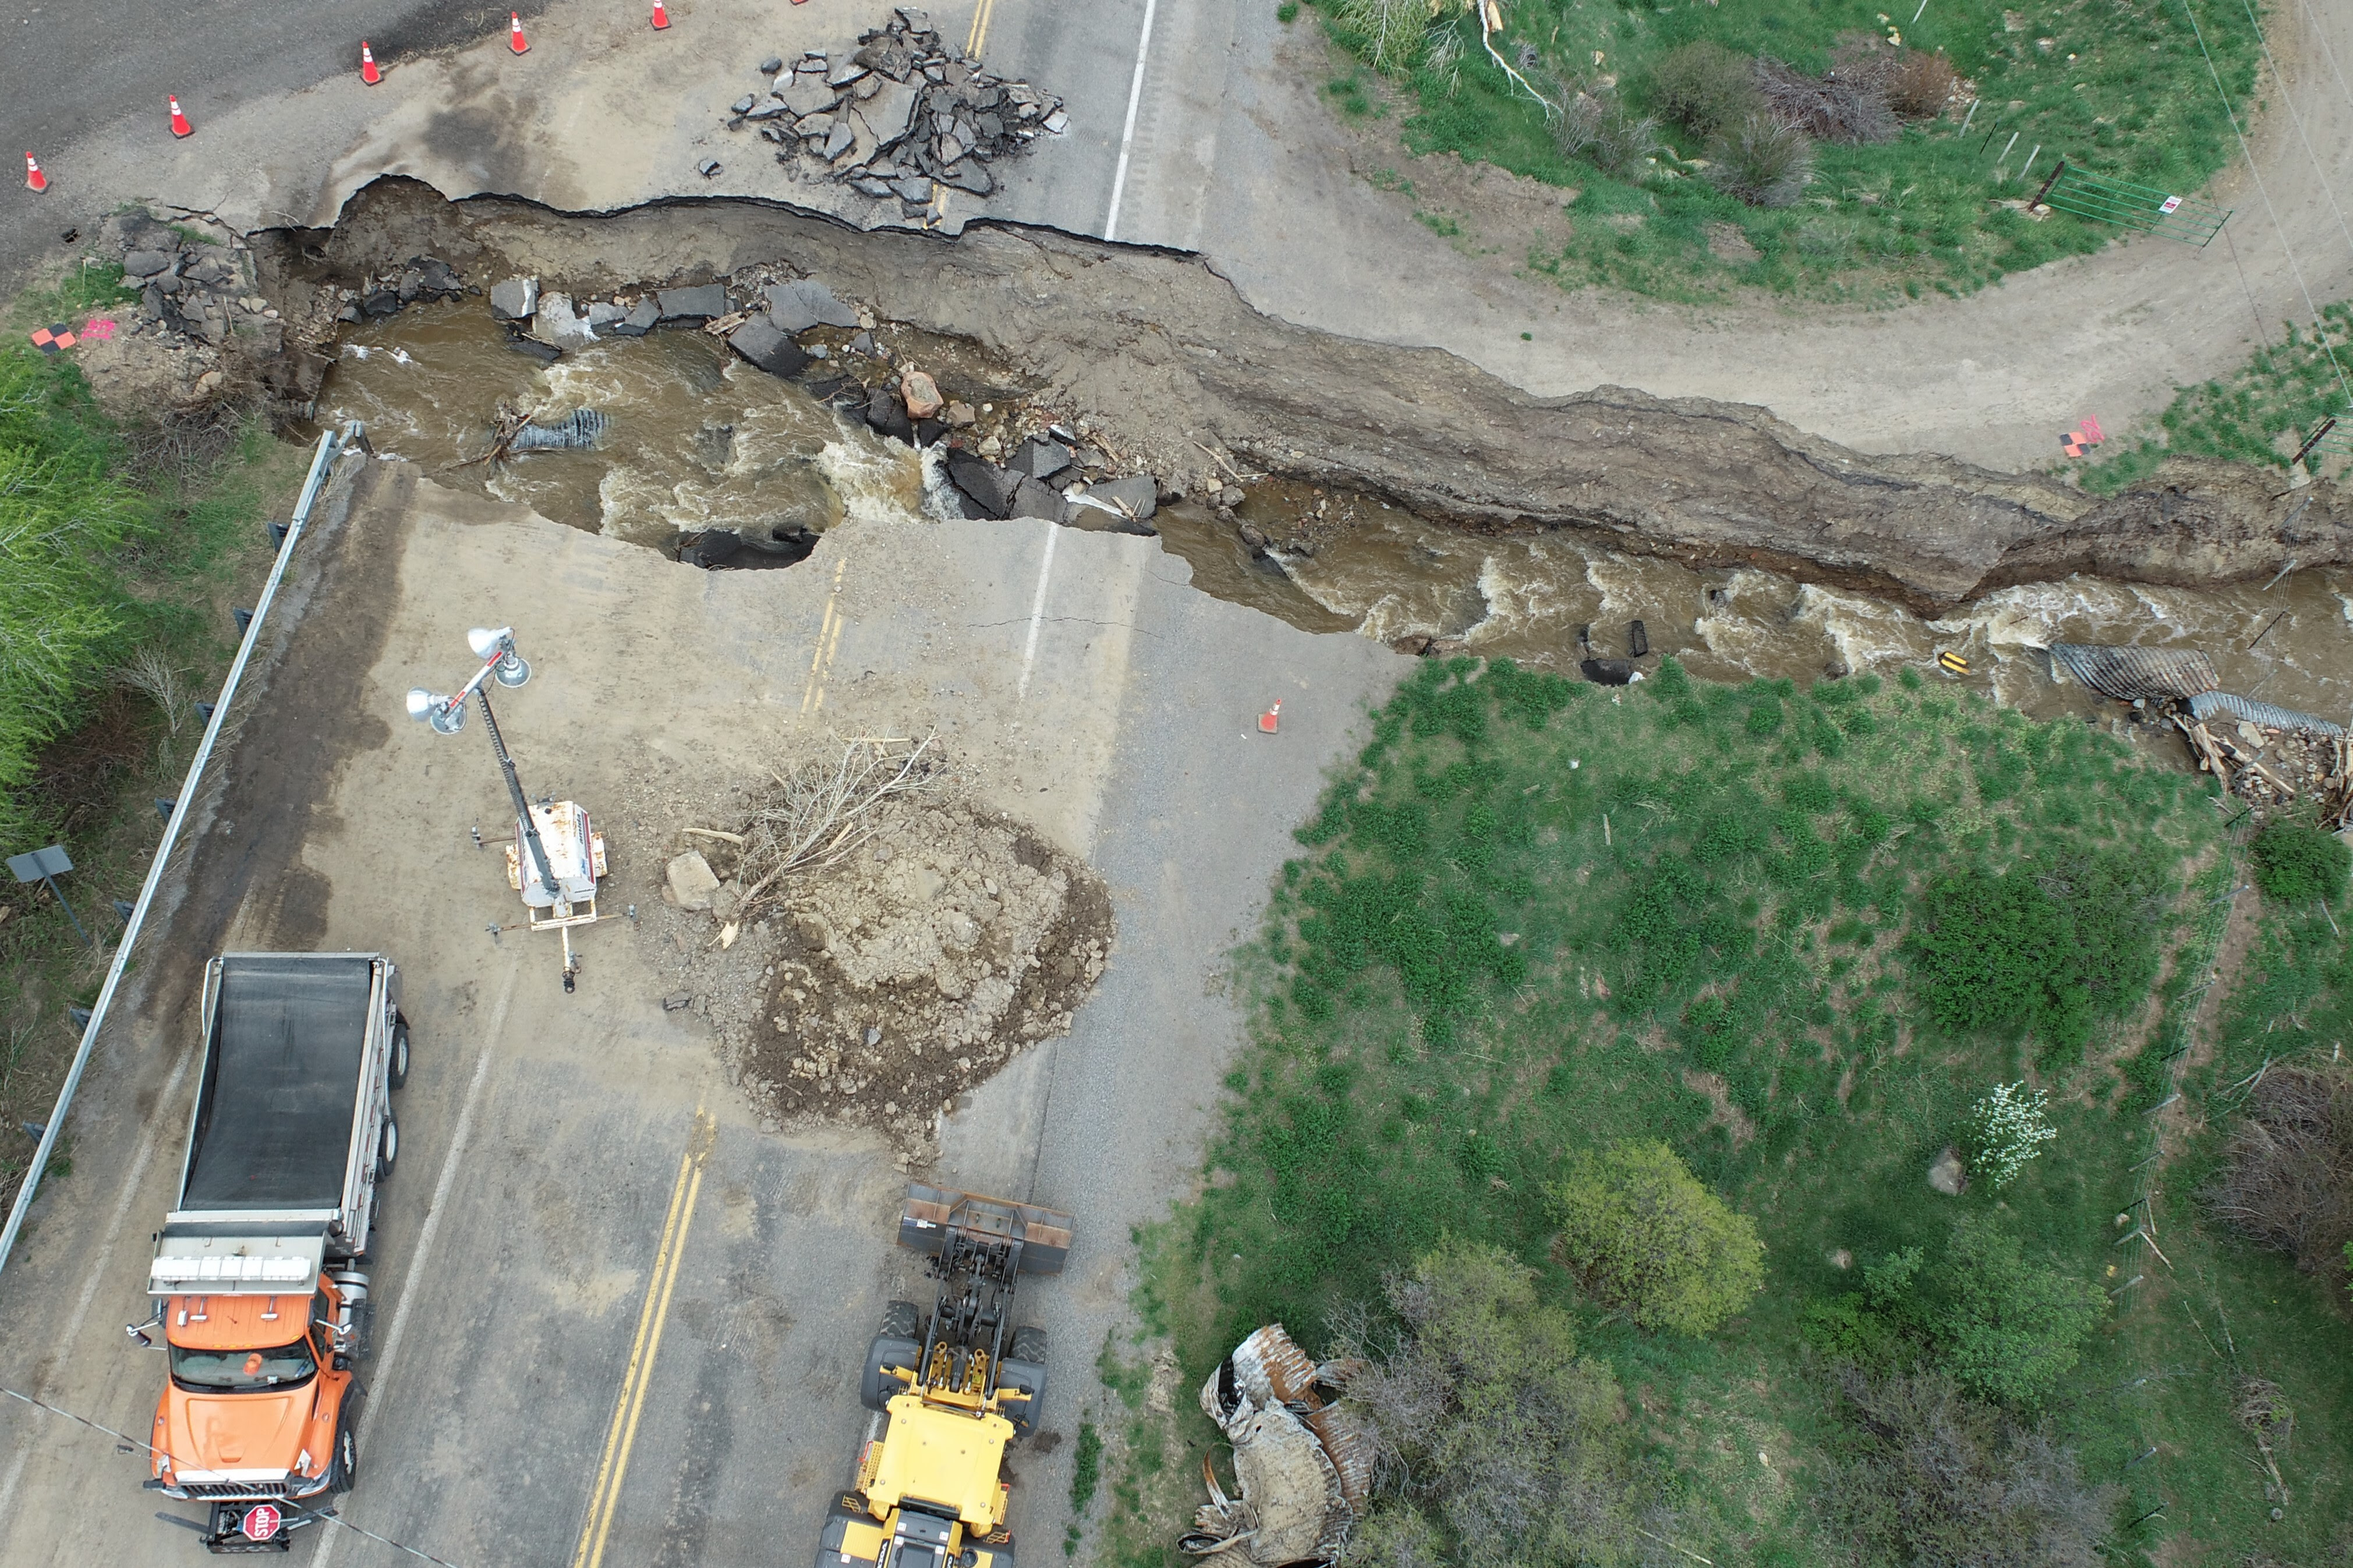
(2286, 1179)
(1930, 1475)
(1921, 84)
(1704, 87)
(2011, 1329)
(2005, 1130)
(1763, 161)
(1392, 31)
(1479, 1407)
(1597, 128)
(1644, 1235)
(2296, 864)
(2053, 952)
(1849, 106)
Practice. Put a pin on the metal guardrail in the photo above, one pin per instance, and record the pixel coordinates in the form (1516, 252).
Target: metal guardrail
(332, 443)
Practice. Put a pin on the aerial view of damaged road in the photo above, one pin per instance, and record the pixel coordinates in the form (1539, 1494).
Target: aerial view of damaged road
(1408, 783)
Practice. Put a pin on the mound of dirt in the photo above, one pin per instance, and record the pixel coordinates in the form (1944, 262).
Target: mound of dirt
(914, 967)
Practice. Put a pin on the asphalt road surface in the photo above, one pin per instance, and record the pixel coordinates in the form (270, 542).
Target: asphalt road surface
(582, 1191)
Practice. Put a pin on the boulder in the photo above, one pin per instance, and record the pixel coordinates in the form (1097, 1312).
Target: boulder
(696, 304)
(984, 484)
(146, 263)
(798, 306)
(758, 341)
(691, 882)
(888, 416)
(960, 414)
(921, 394)
(772, 65)
(743, 105)
(555, 323)
(515, 299)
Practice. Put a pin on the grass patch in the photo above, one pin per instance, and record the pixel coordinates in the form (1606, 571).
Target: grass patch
(1535, 921)
(2260, 413)
(2123, 92)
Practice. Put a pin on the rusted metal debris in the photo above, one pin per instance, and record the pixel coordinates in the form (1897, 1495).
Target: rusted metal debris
(1302, 1465)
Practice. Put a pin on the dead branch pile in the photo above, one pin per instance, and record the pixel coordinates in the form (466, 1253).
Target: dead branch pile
(823, 811)
(1839, 107)
(2286, 1179)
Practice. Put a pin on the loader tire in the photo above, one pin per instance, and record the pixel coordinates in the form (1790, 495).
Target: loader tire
(875, 1386)
(1029, 1377)
(1028, 1345)
(901, 1321)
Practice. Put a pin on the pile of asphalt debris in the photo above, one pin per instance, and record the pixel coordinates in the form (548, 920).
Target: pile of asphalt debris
(900, 112)
(190, 289)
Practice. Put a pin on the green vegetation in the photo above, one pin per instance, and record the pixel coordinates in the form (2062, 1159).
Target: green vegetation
(1538, 924)
(2296, 863)
(1669, 122)
(1642, 1235)
(123, 545)
(2260, 412)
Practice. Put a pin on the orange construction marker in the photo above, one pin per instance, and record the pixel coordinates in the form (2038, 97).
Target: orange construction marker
(33, 179)
(515, 33)
(368, 73)
(180, 126)
(1267, 722)
(661, 18)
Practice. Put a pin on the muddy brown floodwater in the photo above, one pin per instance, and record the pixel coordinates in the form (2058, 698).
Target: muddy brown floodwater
(699, 439)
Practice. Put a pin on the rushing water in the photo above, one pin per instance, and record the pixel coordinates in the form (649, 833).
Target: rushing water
(699, 439)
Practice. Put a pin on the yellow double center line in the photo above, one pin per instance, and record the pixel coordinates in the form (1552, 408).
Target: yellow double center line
(972, 43)
(828, 642)
(634, 1382)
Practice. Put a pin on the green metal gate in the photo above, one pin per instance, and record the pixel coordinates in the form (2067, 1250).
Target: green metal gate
(2073, 189)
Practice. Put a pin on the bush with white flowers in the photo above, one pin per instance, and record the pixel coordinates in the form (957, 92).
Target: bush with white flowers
(2004, 1130)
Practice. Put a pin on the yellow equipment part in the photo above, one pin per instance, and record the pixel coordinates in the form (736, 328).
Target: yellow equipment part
(948, 1458)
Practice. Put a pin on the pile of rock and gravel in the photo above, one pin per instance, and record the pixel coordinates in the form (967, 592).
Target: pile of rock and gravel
(900, 977)
(895, 115)
(201, 331)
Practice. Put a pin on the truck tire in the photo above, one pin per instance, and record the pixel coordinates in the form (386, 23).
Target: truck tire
(387, 1149)
(1028, 1345)
(396, 1072)
(902, 1321)
(875, 1386)
(343, 1472)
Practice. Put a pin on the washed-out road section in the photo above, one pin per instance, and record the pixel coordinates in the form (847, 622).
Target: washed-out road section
(581, 1184)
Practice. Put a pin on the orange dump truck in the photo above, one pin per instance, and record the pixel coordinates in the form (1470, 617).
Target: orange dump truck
(257, 1273)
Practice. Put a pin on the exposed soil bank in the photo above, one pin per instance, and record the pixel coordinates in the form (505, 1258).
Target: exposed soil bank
(1161, 349)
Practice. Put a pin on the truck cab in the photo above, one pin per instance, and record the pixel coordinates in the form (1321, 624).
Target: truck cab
(258, 1272)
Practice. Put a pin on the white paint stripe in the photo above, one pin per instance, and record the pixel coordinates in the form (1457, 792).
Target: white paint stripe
(104, 1254)
(1128, 137)
(409, 1283)
(1038, 608)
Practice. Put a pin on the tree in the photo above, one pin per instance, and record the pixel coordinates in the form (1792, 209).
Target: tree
(2013, 1329)
(1644, 1235)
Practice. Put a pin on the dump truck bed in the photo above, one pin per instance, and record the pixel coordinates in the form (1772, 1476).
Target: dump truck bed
(281, 1084)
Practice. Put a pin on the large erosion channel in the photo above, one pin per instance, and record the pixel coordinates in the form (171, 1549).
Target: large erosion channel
(1160, 347)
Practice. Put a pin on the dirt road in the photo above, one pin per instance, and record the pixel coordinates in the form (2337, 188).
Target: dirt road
(547, 1137)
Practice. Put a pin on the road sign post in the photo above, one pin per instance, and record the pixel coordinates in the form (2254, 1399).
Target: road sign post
(46, 866)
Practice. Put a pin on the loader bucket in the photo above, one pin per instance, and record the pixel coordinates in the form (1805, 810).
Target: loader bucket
(930, 1213)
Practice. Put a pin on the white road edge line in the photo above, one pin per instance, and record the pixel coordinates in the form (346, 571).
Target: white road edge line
(441, 1207)
(1127, 136)
(1038, 608)
(105, 1254)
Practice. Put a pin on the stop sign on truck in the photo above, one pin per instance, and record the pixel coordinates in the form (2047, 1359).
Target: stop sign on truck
(261, 1522)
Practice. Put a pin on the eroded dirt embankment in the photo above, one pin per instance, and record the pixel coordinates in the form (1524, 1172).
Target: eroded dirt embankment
(1163, 350)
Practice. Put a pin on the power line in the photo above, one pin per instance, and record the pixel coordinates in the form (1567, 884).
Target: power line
(2287, 102)
(128, 1441)
(2224, 96)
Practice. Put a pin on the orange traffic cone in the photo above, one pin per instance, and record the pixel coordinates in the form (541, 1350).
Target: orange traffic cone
(515, 40)
(34, 178)
(1267, 722)
(180, 126)
(368, 73)
(661, 18)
